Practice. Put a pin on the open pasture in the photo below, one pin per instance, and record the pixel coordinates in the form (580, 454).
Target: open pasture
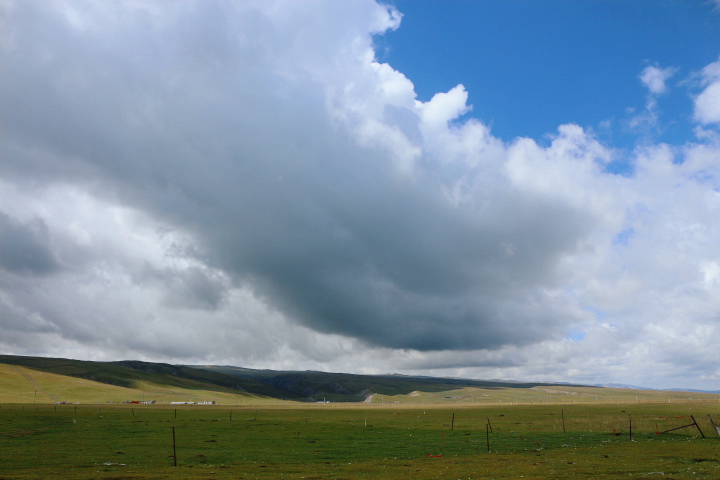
(358, 441)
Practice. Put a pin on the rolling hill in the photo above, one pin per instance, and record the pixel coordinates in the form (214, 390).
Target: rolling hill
(49, 380)
(130, 380)
(341, 387)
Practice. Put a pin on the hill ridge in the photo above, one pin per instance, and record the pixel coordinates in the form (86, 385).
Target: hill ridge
(126, 379)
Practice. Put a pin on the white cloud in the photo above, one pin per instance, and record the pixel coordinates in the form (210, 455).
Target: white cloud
(245, 183)
(443, 108)
(707, 103)
(654, 78)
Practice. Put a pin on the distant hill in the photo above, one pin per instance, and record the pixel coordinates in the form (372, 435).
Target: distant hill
(288, 385)
(622, 385)
(634, 387)
(692, 390)
(341, 387)
(46, 380)
(132, 374)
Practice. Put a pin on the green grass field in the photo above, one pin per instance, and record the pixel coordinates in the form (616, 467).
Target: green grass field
(358, 441)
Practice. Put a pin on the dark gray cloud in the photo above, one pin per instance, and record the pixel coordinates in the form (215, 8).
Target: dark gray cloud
(25, 247)
(191, 287)
(412, 278)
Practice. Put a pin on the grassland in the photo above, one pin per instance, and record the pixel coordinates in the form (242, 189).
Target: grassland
(357, 441)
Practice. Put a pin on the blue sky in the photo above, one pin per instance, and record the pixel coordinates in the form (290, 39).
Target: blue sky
(489, 189)
(530, 66)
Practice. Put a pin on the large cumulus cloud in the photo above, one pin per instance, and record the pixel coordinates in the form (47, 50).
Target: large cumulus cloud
(212, 180)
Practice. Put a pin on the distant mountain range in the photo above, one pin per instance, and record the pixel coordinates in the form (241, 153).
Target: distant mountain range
(634, 387)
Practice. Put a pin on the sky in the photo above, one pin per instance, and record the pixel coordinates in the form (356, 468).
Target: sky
(499, 190)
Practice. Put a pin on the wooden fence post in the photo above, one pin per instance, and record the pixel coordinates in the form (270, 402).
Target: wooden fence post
(174, 451)
(698, 426)
(717, 429)
(487, 435)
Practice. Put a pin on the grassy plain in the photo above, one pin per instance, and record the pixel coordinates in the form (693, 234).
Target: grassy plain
(359, 441)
